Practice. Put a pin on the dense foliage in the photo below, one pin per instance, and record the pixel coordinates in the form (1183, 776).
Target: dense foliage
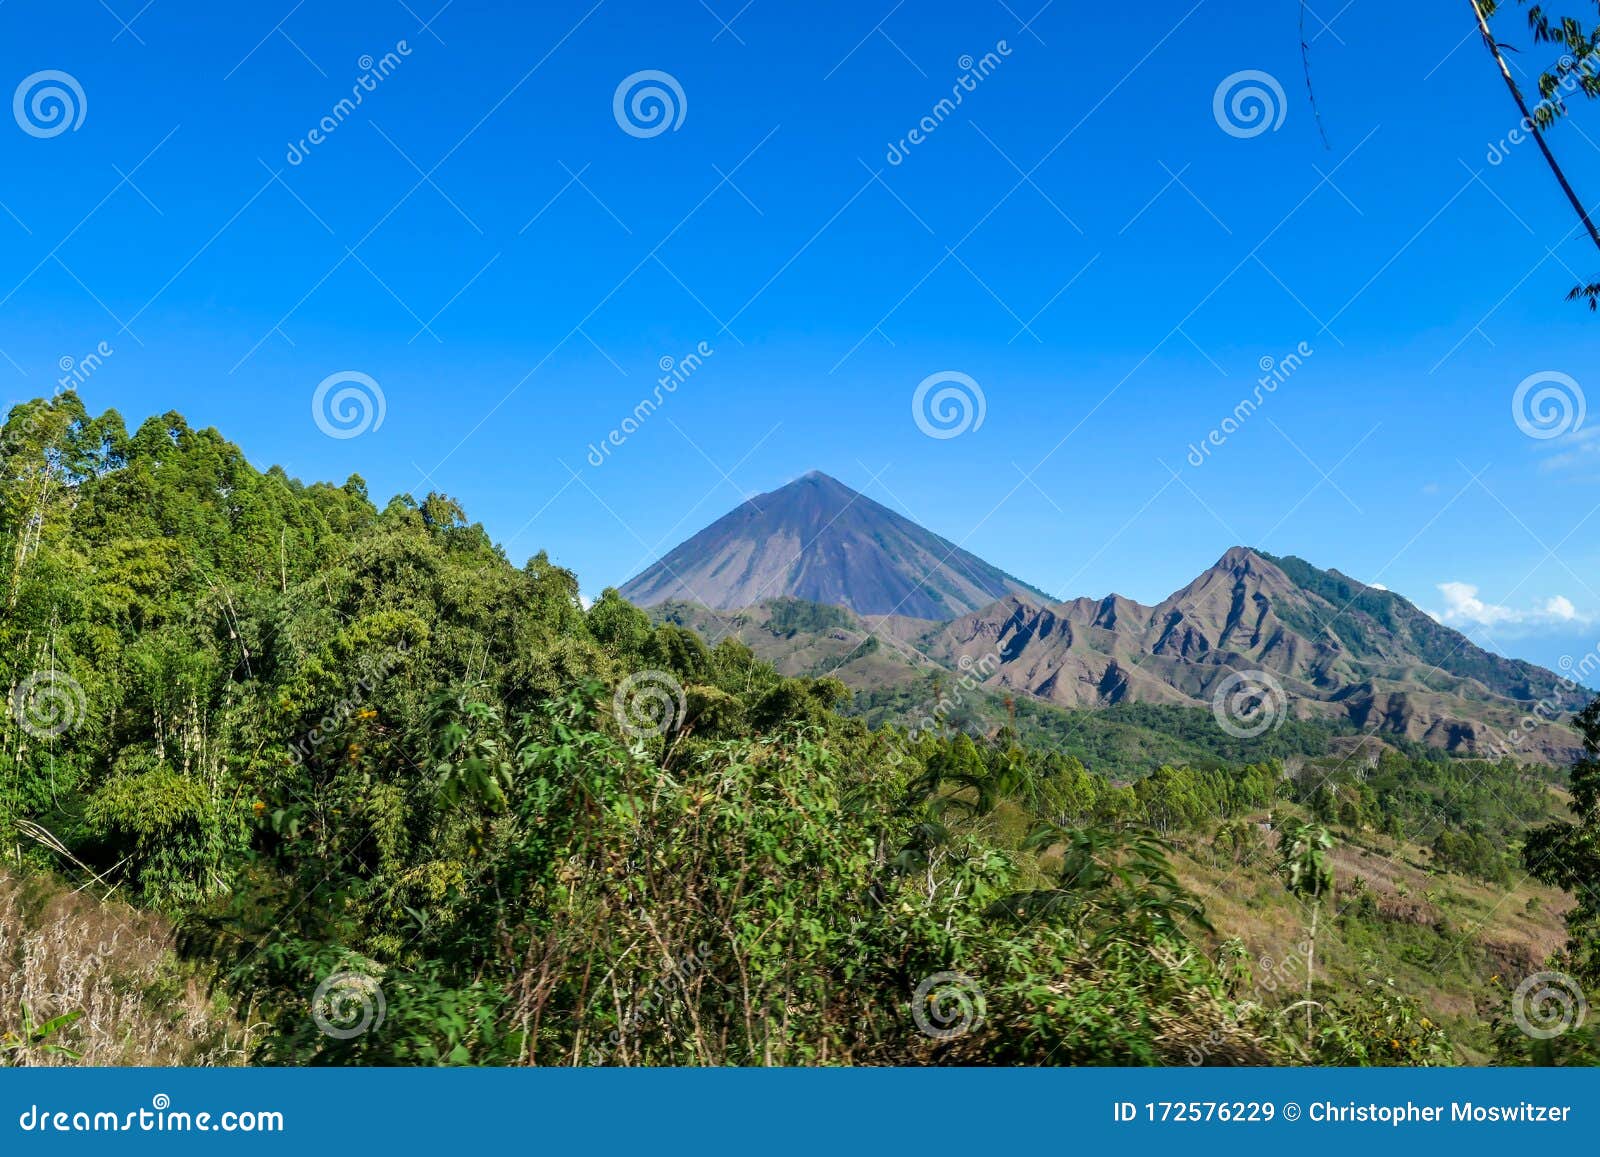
(417, 805)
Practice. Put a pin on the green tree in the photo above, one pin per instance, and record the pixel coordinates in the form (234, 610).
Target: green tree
(1304, 867)
(1566, 855)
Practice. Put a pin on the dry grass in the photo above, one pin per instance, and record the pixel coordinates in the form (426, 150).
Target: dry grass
(1494, 927)
(63, 952)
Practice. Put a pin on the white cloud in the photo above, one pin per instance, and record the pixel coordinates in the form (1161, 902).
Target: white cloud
(1378, 586)
(1578, 448)
(1464, 608)
(1561, 608)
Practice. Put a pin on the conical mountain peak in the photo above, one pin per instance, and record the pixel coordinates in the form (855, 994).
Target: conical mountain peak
(819, 540)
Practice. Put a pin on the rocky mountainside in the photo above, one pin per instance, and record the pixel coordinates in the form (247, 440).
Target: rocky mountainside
(1336, 648)
(1306, 643)
(818, 540)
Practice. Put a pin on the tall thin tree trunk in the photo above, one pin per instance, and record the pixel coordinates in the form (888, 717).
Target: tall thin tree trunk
(1527, 119)
(1311, 961)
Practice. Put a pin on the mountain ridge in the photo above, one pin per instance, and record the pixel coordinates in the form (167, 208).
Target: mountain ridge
(1334, 648)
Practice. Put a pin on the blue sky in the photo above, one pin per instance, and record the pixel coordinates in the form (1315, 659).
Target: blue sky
(1081, 237)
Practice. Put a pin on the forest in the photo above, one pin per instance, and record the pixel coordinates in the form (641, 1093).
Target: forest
(404, 802)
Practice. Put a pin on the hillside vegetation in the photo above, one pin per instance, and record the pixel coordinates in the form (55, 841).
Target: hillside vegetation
(405, 802)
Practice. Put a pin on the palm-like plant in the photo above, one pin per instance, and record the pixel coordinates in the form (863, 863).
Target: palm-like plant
(1306, 872)
(35, 1039)
(1115, 884)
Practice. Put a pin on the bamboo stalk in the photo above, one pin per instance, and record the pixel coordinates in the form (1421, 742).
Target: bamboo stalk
(1527, 119)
